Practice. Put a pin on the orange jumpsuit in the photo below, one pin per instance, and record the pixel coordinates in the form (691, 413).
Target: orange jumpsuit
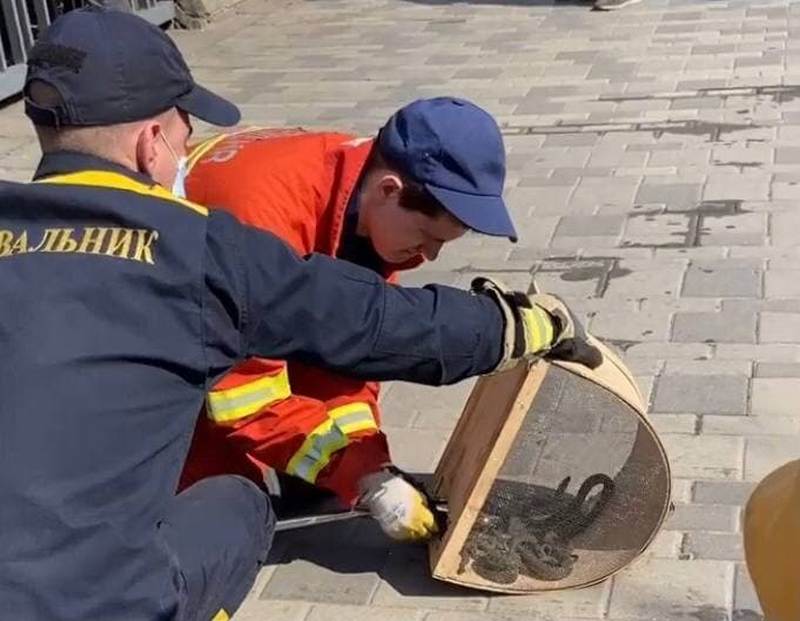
(305, 421)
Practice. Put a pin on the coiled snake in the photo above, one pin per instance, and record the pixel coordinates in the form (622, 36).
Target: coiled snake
(501, 548)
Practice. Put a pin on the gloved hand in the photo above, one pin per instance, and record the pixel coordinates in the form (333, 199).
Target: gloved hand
(399, 507)
(539, 325)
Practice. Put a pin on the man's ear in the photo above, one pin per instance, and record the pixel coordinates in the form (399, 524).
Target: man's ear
(389, 185)
(147, 151)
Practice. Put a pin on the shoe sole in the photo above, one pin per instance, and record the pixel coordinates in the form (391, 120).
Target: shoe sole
(612, 8)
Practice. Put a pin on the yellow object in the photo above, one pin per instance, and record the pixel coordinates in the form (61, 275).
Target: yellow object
(538, 329)
(221, 616)
(232, 404)
(329, 437)
(115, 181)
(772, 542)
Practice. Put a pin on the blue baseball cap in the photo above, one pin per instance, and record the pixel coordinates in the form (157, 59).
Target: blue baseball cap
(114, 67)
(454, 148)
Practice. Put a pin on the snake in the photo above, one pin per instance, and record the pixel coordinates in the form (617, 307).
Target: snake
(501, 548)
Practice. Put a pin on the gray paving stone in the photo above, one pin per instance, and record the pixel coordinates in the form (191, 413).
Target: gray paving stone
(667, 544)
(570, 140)
(672, 230)
(324, 566)
(442, 615)
(407, 583)
(736, 230)
(782, 283)
(708, 394)
(616, 157)
(718, 283)
(708, 367)
(259, 610)
(765, 454)
(695, 517)
(693, 587)
(736, 186)
(683, 158)
(680, 351)
(583, 603)
(646, 284)
(787, 155)
(323, 612)
(546, 200)
(751, 426)
(722, 492)
(589, 225)
(744, 596)
(777, 369)
(641, 326)
(779, 328)
(696, 103)
(416, 449)
(423, 407)
(775, 396)
(568, 175)
(723, 327)
(705, 456)
(598, 192)
(677, 195)
(715, 546)
(762, 352)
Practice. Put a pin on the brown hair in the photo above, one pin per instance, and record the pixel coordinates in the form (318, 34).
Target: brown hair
(413, 196)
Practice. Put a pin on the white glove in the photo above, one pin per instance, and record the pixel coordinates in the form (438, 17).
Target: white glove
(399, 507)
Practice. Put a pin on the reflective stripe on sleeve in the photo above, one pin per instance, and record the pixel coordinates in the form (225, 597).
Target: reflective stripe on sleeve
(353, 417)
(225, 406)
(222, 615)
(538, 329)
(329, 437)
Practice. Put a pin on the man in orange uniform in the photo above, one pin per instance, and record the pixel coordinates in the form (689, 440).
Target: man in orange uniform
(434, 171)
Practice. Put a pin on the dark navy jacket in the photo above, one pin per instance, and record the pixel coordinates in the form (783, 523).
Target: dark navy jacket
(120, 305)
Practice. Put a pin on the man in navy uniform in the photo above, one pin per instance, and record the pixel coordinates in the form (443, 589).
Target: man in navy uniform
(122, 303)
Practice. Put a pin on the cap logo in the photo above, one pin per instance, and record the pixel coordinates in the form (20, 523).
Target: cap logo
(53, 55)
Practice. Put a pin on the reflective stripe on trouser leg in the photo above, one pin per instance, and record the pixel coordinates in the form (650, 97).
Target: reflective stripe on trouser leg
(225, 406)
(329, 437)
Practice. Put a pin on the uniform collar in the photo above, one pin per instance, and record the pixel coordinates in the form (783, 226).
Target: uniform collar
(64, 162)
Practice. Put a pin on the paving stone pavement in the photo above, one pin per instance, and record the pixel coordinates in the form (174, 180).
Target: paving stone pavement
(653, 169)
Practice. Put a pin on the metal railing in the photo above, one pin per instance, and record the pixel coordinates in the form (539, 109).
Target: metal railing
(21, 21)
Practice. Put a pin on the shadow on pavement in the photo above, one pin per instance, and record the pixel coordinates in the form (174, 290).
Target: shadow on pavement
(358, 546)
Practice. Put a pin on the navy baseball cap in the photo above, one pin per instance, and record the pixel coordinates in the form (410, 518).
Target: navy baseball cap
(114, 67)
(454, 148)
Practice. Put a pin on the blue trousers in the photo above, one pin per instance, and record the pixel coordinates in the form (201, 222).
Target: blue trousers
(220, 530)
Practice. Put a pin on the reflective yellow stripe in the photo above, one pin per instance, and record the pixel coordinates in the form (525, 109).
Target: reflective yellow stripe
(316, 451)
(538, 329)
(353, 417)
(329, 437)
(204, 147)
(225, 406)
(221, 616)
(116, 181)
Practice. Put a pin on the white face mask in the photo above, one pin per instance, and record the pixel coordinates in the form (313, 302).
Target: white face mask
(179, 185)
